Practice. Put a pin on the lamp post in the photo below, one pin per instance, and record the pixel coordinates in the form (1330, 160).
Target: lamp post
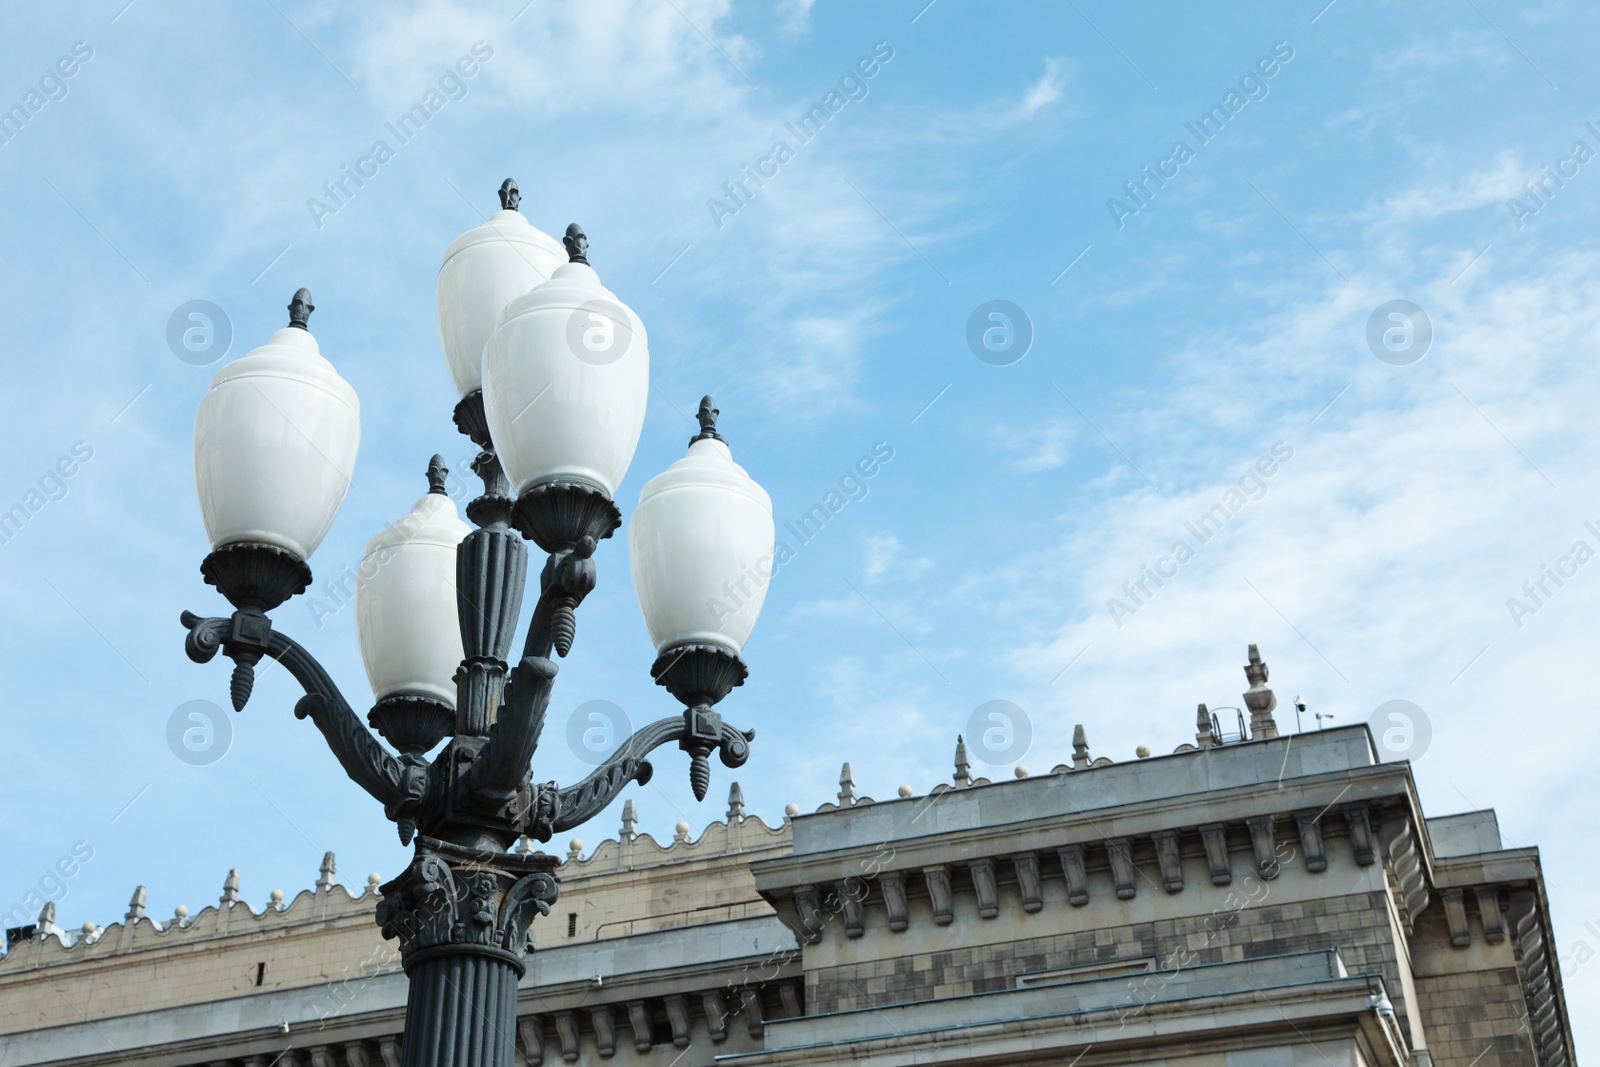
(553, 374)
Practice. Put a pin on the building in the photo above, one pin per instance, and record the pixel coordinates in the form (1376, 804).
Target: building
(1248, 901)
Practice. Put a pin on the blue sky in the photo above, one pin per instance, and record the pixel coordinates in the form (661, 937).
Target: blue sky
(1388, 156)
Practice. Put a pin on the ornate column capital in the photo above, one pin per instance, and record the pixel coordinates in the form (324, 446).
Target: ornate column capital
(453, 899)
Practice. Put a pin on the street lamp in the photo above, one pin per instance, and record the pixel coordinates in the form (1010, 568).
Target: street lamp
(553, 374)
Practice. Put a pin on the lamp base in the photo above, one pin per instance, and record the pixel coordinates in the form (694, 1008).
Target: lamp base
(412, 723)
(560, 516)
(699, 675)
(255, 577)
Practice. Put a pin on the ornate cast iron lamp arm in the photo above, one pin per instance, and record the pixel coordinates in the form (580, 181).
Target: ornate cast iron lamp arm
(392, 782)
(571, 807)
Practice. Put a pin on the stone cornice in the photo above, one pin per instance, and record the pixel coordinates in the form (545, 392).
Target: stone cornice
(1329, 794)
(1505, 866)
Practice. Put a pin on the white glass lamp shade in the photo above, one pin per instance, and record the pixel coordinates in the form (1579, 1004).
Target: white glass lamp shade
(275, 444)
(565, 379)
(701, 548)
(406, 603)
(483, 270)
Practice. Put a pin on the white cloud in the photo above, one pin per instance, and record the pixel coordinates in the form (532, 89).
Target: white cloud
(1039, 447)
(882, 548)
(794, 16)
(1379, 562)
(571, 58)
(1476, 189)
(884, 559)
(1045, 91)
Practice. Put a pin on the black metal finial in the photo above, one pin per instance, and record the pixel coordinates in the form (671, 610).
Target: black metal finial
(510, 195)
(577, 243)
(300, 308)
(437, 474)
(708, 422)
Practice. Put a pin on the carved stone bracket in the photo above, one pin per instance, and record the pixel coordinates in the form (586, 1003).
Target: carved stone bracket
(1263, 841)
(750, 1008)
(567, 1034)
(1077, 877)
(808, 909)
(893, 884)
(987, 889)
(1215, 837)
(1310, 824)
(1361, 839)
(604, 1022)
(1455, 913)
(716, 1014)
(1028, 882)
(678, 1015)
(1494, 927)
(852, 894)
(1171, 859)
(639, 1021)
(1122, 870)
(532, 1030)
(939, 894)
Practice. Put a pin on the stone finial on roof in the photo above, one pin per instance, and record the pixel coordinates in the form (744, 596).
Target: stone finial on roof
(230, 888)
(630, 820)
(1203, 735)
(680, 833)
(963, 763)
(1080, 748)
(1258, 698)
(736, 802)
(180, 916)
(325, 872)
(275, 900)
(47, 915)
(847, 786)
(136, 904)
(575, 850)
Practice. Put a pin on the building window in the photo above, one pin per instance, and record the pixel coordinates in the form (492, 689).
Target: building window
(572, 925)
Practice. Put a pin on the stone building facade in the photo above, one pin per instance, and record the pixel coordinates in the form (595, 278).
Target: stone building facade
(1253, 901)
